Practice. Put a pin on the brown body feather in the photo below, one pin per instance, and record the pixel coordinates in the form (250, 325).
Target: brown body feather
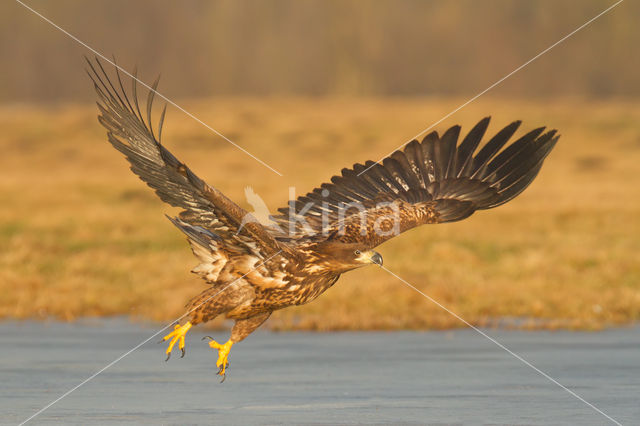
(254, 269)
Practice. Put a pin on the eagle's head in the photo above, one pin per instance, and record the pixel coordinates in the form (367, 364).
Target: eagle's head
(342, 257)
(367, 257)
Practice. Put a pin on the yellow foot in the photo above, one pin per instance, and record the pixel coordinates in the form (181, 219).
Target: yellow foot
(223, 355)
(177, 334)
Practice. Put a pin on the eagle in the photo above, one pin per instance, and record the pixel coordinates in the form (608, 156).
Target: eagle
(255, 268)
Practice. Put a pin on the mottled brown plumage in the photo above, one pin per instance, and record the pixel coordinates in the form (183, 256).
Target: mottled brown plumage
(255, 269)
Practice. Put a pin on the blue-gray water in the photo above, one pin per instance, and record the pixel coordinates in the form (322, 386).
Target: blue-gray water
(455, 377)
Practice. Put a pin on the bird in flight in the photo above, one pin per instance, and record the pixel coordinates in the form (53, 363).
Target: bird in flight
(253, 268)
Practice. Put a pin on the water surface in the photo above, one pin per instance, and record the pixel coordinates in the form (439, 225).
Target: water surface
(453, 377)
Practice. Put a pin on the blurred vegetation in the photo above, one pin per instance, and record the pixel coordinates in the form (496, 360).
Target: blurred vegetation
(80, 235)
(311, 86)
(325, 47)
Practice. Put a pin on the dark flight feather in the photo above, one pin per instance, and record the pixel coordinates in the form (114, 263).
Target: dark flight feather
(173, 181)
(438, 174)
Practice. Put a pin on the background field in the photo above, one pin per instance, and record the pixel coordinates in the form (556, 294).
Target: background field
(81, 236)
(310, 87)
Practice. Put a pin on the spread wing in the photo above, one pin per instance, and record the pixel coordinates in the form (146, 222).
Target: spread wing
(433, 181)
(209, 219)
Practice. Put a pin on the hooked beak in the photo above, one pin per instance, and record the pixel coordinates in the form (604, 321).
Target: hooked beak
(368, 257)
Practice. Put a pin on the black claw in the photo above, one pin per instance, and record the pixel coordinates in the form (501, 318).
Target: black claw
(182, 356)
(168, 356)
(207, 337)
(220, 373)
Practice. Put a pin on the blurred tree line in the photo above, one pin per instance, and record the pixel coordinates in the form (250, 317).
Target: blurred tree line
(324, 47)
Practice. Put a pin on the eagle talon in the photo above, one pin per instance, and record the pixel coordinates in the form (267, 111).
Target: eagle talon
(177, 336)
(222, 372)
(223, 355)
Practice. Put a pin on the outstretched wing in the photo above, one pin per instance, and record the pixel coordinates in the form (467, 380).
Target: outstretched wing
(209, 219)
(433, 181)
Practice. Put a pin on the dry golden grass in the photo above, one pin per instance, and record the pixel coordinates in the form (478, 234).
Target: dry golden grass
(80, 235)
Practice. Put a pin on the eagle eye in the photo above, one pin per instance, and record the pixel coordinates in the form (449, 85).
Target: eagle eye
(357, 252)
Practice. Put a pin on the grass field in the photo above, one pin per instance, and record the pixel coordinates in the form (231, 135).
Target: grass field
(80, 235)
